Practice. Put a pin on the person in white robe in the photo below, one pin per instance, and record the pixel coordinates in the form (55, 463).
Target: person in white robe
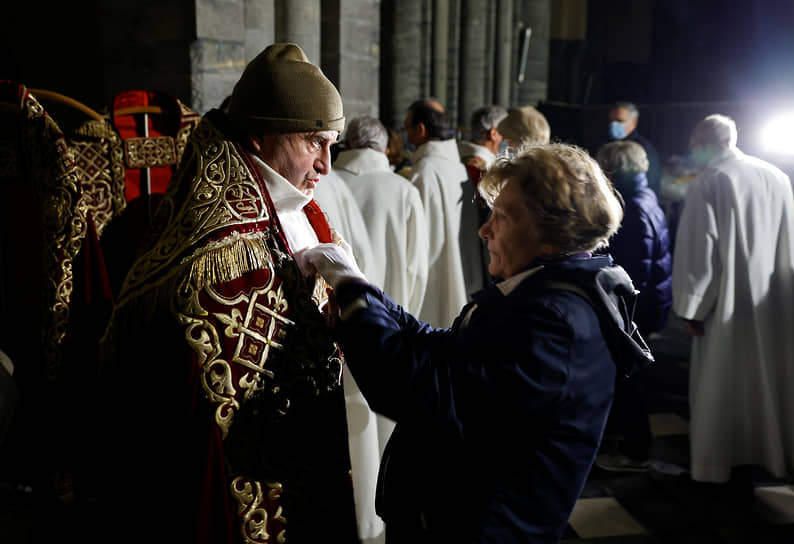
(392, 211)
(440, 176)
(344, 216)
(733, 283)
(394, 217)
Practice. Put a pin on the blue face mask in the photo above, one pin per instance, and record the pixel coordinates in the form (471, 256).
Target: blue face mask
(617, 130)
(502, 148)
(699, 157)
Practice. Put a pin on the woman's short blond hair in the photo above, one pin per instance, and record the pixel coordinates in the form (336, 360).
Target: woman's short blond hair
(525, 125)
(573, 202)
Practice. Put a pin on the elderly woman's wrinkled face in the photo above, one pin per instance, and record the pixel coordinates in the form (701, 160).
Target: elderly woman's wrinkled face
(511, 232)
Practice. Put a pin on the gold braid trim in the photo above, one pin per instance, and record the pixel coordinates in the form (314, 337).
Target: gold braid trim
(229, 258)
(64, 212)
(222, 193)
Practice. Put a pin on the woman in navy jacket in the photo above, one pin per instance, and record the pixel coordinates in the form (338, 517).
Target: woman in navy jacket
(499, 417)
(642, 247)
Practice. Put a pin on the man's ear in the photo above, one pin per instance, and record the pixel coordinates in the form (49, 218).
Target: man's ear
(493, 134)
(421, 131)
(255, 144)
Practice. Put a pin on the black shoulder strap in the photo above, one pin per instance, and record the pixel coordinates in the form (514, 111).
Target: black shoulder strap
(629, 350)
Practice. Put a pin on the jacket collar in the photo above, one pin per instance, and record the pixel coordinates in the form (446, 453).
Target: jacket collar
(362, 161)
(286, 197)
(445, 149)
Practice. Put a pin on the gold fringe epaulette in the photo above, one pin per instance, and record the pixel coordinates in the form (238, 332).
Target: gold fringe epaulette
(222, 194)
(230, 258)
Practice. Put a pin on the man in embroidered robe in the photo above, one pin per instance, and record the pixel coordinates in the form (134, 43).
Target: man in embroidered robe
(226, 420)
(440, 177)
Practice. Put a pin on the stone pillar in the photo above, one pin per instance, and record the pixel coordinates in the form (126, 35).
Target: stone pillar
(217, 56)
(474, 59)
(298, 21)
(438, 87)
(351, 53)
(453, 65)
(503, 53)
(535, 15)
(260, 26)
(406, 55)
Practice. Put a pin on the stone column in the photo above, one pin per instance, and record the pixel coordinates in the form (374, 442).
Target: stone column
(351, 53)
(217, 56)
(503, 53)
(405, 54)
(536, 15)
(438, 87)
(474, 59)
(260, 26)
(298, 21)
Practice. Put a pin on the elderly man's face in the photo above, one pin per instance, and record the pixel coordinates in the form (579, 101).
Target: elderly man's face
(622, 115)
(511, 232)
(301, 157)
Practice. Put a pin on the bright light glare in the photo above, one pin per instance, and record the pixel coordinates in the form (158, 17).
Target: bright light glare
(778, 135)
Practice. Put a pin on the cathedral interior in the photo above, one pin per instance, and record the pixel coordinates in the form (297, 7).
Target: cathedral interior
(94, 65)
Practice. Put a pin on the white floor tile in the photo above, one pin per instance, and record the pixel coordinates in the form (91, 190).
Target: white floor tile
(602, 516)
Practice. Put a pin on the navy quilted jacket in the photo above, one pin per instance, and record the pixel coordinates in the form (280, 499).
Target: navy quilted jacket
(499, 419)
(642, 248)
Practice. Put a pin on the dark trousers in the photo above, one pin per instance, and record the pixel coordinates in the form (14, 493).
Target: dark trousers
(629, 418)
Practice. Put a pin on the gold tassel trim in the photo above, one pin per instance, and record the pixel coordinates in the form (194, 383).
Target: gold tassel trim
(229, 258)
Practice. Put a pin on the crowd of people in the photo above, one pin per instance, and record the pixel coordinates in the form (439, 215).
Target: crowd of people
(357, 343)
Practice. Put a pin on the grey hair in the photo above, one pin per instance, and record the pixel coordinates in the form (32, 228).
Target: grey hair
(623, 156)
(367, 132)
(483, 120)
(628, 106)
(716, 131)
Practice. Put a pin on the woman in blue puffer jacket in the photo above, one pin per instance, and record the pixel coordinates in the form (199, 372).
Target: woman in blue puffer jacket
(642, 245)
(642, 248)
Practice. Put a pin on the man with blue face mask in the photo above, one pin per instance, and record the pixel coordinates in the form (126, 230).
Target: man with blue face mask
(623, 118)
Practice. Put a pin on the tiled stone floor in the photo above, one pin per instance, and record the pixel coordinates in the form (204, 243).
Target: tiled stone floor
(664, 505)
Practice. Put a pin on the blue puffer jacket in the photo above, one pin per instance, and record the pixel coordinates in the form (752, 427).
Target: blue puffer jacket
(498, 418)
(642, 248)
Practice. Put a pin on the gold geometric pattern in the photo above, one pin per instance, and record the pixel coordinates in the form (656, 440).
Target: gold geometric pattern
(149, 152)
(99, 160)
(252, 320)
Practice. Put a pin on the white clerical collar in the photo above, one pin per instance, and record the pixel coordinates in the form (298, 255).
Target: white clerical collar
(446, 149)
(362, 161)
(724, 155)
(507, 286)
(286, 197)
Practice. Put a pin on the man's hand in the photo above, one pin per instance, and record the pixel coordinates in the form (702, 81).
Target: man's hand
(693, 327)
(334, 263)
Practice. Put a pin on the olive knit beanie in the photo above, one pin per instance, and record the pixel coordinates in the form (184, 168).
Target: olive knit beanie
(281, 91)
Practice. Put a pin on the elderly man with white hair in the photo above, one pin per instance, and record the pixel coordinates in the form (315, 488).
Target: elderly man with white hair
(733, 283)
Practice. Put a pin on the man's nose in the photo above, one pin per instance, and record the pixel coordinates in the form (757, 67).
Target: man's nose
(323, 162)
(484, 230)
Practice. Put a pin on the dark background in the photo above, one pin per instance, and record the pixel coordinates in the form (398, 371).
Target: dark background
(679, 61)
